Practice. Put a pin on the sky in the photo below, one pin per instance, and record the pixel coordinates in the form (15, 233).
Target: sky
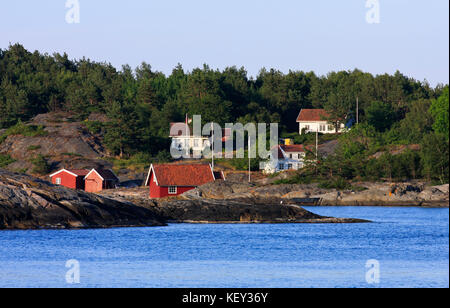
(412, 36)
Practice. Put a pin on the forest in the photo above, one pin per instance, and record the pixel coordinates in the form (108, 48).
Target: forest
(394, 110)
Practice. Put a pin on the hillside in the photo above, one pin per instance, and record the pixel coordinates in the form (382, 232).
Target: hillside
(63, 141)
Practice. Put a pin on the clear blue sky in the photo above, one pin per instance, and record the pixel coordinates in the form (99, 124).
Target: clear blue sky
(317, 35)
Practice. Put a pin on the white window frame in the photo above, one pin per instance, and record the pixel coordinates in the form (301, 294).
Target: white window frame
(58, 181)
(173, 190)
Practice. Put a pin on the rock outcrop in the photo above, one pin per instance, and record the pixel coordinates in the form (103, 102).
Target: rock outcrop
(242, 211)
(369, 194)
(224, 210)
(30, 203)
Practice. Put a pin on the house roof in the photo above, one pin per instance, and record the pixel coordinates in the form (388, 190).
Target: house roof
(298, 148)
(293, 148)
(182, 175)
(105, 174)
(74, 172)
(312, 115)
(181, 130)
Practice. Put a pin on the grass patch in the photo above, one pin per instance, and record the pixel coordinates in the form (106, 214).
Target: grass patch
(24, 130)
(23, 170)
(72, 154)
(335, 183)
(33, 148)
(5, 160)
(140, 162)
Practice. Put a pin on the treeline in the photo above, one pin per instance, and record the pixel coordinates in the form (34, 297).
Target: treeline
(141, 103)
(415, 147)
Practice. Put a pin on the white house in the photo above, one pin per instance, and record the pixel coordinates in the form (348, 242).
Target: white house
(183, 140)
(315, 120)
(290, 157)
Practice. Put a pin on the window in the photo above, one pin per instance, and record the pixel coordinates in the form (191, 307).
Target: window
(330, 128)
(172, 190)
(290, 167)
(307, 127)
(322, 128)
(281, 166)
(58, 181)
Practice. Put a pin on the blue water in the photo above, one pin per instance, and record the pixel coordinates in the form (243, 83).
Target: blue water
(410, 244)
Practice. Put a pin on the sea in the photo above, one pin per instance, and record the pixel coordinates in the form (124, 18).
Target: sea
(402, 247)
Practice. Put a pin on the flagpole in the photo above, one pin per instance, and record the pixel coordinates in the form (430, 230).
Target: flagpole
(357, 110)
(249, 162)
(317, 143)
(212, 147)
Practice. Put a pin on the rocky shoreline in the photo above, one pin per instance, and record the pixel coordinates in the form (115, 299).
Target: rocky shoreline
(30, 203)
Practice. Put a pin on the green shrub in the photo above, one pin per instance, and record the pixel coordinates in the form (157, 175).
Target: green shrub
(41, 165)
(94, 127)
(335, 183)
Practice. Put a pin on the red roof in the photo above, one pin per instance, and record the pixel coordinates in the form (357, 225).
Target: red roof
(79, 172)
(183, 175)
(106, 174)
(293, 148)
(312, 115)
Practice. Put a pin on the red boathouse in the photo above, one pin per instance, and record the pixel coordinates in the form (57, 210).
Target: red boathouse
(98, 180)
(69, 178)
(172, 180)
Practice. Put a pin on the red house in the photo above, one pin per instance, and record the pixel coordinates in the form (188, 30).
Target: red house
(69, 178)
(173, 180)
(98, 180)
